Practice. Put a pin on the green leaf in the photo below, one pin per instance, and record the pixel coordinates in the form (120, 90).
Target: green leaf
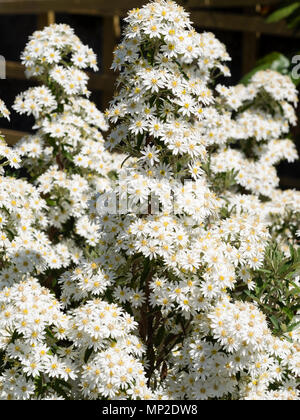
(146, 271)
(283, 328)
(296, 290)
(10, 234)
(289, 313)
(68, 156)
(39, 386)
(262, 270)
(181, 70)
(140, 139)
(128, 157)
(60, 391)
(160, 336)
(283, 13)
(274, 61)
(292, 327)
(275, 322)
(63, 383)
(51, 203)
(49, 333)
(87, 354)
(295, 81)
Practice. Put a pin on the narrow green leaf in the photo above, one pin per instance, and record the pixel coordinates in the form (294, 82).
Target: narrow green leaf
(64, 383)
(68, 156)
(160, 336)
(274, 61)
(293, 327)
(289, 313)
(275, 322)
(295, 292)
(262, 270)
(296, 288)
(87, 354)
(49, 333)
(283, 13)
(51, 203)
(283, 328)
(140, 138)
(275, 57)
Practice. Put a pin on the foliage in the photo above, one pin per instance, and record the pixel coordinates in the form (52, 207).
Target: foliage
(289, 10)
(273, 61)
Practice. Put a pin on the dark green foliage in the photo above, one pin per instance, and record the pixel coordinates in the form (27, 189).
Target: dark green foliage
(276, 291)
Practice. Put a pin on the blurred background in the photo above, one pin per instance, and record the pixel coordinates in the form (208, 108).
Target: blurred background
(258, 34)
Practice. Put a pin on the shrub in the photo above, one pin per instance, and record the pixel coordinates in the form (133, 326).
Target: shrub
(176, 272)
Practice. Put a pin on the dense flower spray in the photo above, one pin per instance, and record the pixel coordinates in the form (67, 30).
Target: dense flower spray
(193, 216)
(66, 156)
(24, 248)
(47, 351)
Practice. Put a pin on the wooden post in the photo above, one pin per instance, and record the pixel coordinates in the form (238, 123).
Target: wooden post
(250, 43)
(110, 37)
(12, 136)
(45, 19)
(250, 47)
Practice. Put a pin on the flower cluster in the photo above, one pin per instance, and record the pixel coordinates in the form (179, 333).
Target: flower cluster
(47, 227)
(268, 114)
(29, 314)
(113, 370)
(24, 248)
(203, 370)
(168, 67)
(66, 156)
(7, 155)
(33, 327)
(47, 49)
(4, 112)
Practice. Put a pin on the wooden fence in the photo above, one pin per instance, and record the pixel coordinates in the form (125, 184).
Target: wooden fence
(246, 19)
